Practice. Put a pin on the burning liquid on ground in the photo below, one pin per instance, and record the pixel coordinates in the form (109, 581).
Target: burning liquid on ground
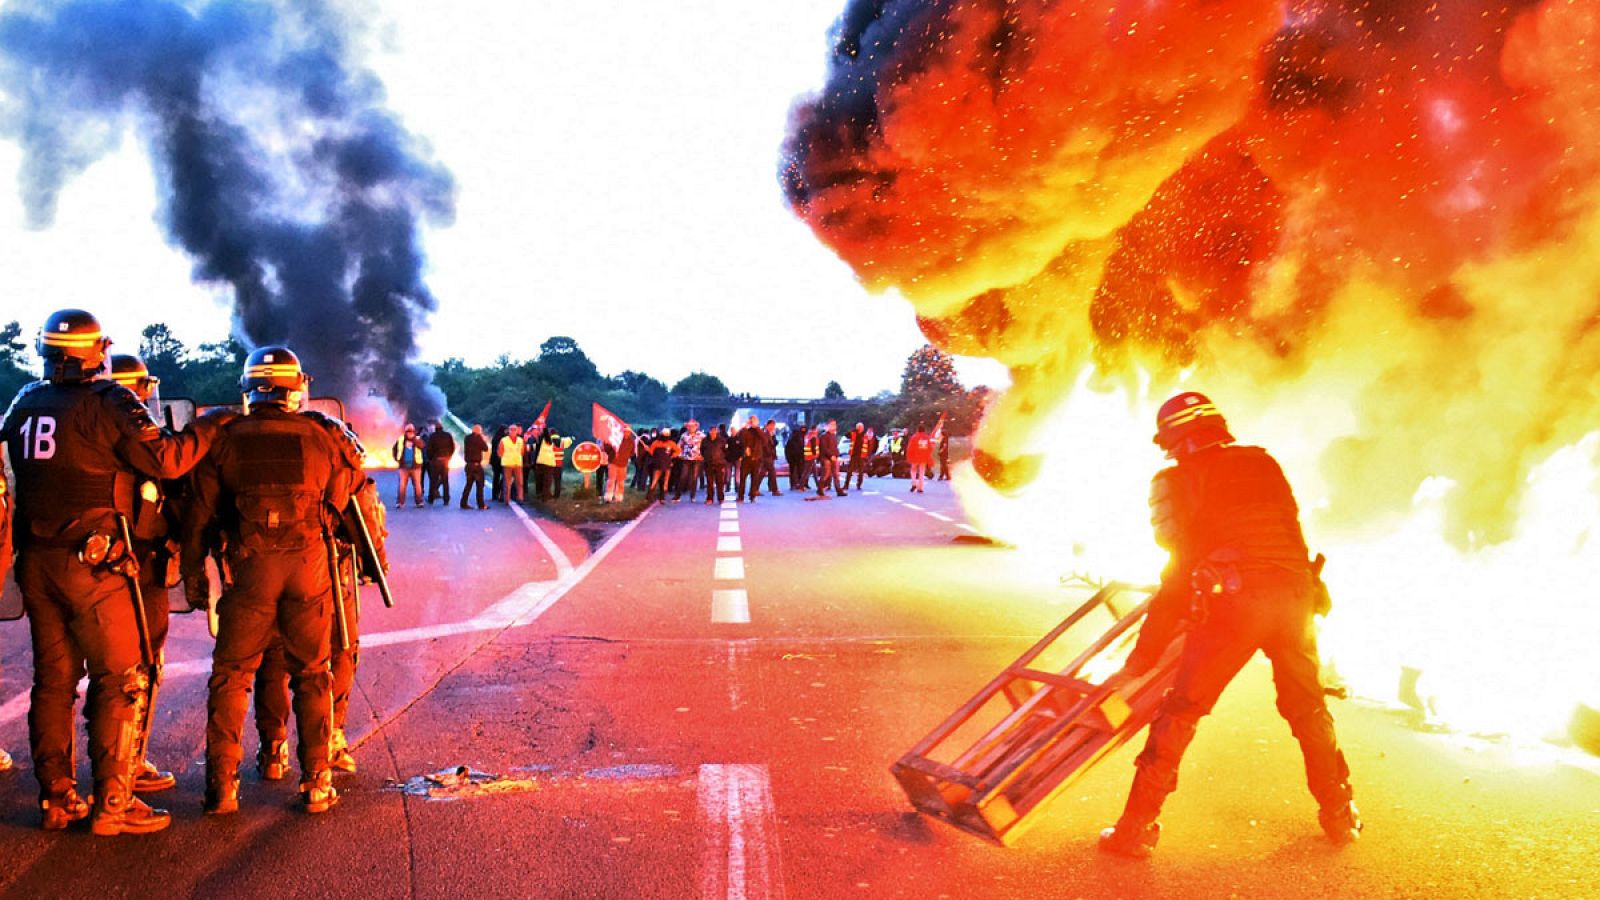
(1368, 230)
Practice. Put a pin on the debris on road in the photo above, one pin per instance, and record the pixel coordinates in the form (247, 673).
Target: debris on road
(465, 782)
(461, 782)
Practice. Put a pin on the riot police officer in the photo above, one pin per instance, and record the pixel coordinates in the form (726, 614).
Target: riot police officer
(79, 446)
(153, 525)
(6, 762)
(272, 683)
(272, 678)
(274, 483)
(1238, 580)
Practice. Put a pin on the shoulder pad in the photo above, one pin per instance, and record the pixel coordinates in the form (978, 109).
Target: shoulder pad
(338, 430)
(26, 390)
(136, 420)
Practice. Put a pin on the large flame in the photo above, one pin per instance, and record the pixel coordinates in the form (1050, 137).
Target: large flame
(1370, 230)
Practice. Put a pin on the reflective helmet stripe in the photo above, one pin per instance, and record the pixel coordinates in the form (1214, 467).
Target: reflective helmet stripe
(273, 371)
(1188, 414)
(57, 339)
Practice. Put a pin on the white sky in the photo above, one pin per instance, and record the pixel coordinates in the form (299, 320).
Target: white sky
(615, 166)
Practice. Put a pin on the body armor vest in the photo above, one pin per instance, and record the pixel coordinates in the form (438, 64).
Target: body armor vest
(62, 440)
(1228, 504)
(280, 470)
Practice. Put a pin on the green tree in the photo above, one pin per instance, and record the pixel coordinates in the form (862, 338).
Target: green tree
(12, 347)
(699, 384)
(649, 396)
(833, 391)
(930, 372)
(157, 344)
(13, 357)
(566, 363)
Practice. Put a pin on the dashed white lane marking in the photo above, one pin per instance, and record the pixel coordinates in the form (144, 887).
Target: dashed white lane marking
(892, 499)
(729, 543)
(871, 493)
(730, 514)
(915, 507)
(736, 653)
(730, 504)
(730, 607)
(738, 850)
(520, 607)
(931, 514)
(941, 517)
(728, 568)
(964, 526)
(563, 564)
(728, 527)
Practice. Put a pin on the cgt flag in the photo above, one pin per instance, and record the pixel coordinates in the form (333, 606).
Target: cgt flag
(608, 429)
(543, 415)
(938, 430)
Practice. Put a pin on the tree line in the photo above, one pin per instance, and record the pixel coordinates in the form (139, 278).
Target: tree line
(514, 390)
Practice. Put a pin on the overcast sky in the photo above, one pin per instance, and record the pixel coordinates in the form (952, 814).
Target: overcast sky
(615, 164)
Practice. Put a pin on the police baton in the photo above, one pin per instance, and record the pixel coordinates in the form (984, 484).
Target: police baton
(367, 554)
(129, 568)
(337, 571)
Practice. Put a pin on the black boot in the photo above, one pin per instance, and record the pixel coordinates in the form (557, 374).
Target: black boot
(318, 794)
(272, 760)
(1137, 831)
(1130, 841)
(222, 795)
(1342, 824)
(61, 806)
(147, 779)
(118, 811)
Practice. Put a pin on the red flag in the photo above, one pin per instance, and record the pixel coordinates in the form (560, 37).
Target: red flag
(543, 414)
(938, 430)
(608, 429)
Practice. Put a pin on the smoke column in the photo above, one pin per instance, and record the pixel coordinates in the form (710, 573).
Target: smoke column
(284, 176)
(1382, 215)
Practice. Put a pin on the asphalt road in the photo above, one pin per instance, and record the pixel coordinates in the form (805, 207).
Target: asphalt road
(646, 717)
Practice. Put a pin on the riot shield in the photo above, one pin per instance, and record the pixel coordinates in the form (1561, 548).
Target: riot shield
(176, 414)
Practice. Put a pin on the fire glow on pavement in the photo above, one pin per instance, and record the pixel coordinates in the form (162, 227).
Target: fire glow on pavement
(1367, 232)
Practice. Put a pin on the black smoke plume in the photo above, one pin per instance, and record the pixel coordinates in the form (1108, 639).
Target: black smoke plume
(283, 175)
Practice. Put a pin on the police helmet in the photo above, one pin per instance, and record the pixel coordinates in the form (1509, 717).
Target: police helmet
(1190, 422)
(72, 345)
(273, 375)
(130, 371)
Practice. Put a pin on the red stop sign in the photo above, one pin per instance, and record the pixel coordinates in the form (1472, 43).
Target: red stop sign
(586, 457)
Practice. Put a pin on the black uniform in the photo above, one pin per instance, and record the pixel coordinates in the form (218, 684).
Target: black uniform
(5, 526)
(273, 696)
(79, 449)
(1239, 579)
(752, 453)
(858, 458)
(274, 482)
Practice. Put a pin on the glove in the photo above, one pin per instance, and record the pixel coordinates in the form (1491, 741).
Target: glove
(197, 590)
(171, 571)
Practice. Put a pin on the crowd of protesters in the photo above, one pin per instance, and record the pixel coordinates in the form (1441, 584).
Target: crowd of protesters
(667, 462)
(424, 462)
